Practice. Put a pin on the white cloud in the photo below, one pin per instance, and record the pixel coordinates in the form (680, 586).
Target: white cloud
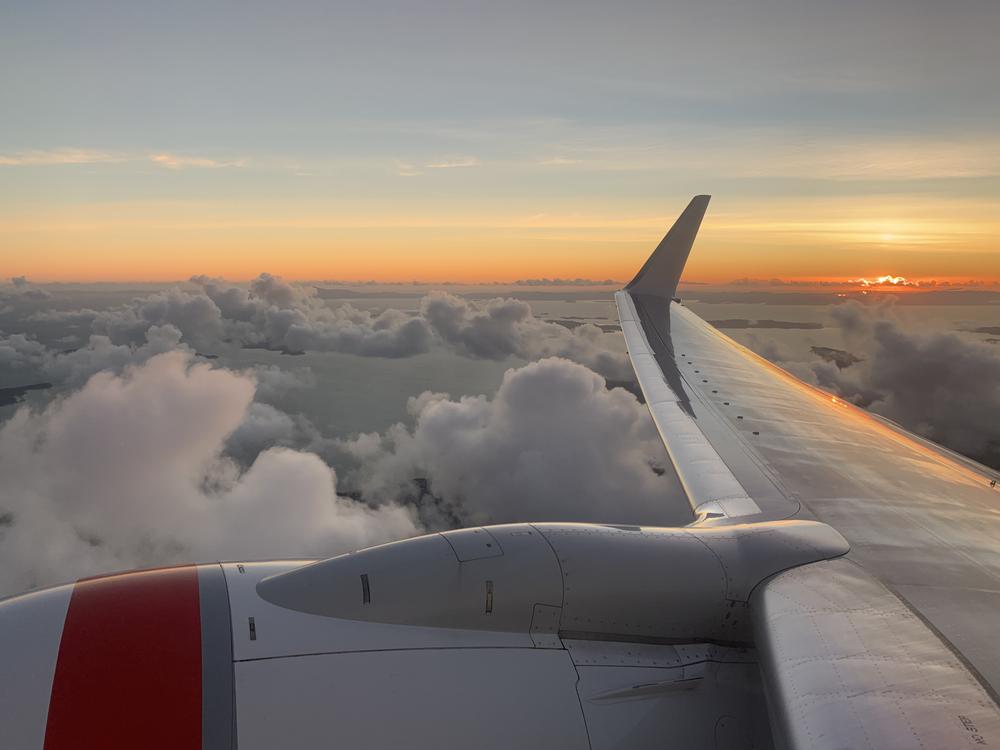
(502, 328)
(129, 471)
(405, 169)
(934, 383)
(276, 314)
(468, 161)
(179, 161)
(42, 157)
(554, 444)
(21, 287)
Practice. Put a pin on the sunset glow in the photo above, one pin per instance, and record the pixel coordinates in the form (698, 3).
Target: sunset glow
(279, 152)
(421, 240)
(887, 280)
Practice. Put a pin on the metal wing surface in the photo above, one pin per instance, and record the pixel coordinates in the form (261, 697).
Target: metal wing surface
(751, 442)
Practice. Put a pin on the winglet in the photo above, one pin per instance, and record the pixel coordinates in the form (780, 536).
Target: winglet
(661, 272)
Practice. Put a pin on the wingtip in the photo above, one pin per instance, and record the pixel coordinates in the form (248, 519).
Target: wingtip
(661, 272)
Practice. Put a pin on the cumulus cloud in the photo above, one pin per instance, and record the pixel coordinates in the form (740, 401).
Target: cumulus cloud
(275, 314)
(274, 382)
(20, 352)
(502, 328)
(20, 287)
(130, 470)
(936, 384)
(553, 444)
(73, 367)
(196, 316)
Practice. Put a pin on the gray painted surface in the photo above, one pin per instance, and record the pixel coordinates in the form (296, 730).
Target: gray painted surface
(662, 270)
(218, 717)
(848, 665)
(704, 704)
(698, 695)
(31, 627)
(422, 582)
(452, 698)
(576, 578)
(284, 632)
(925, 524)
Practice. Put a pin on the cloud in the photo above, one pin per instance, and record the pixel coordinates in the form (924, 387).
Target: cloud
(24, 289)
(566, 282)
(52, 157)
(275, 314)
(405, 169)
(73, 368)
(196, 316)
(63, 156)
(461, 163)
(553, 444)
(885, 281)
(746, 281)
(936, 384)
(178, 161)
(274, 382)
(264, 427)
(558, 161)
(18, 351)
(502, 328)
(129, 471)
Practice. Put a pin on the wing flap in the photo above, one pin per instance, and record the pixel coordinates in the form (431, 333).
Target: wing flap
(846, 664)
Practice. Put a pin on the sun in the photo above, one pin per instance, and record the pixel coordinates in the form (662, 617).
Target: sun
(886, 281)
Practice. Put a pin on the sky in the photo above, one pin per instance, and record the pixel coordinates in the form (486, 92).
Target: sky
(481, 141)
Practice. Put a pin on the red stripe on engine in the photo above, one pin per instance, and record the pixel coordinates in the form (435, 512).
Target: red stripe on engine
(129, 668)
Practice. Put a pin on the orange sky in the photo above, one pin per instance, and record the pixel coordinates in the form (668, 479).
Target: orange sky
(478, 142)
(815, 239)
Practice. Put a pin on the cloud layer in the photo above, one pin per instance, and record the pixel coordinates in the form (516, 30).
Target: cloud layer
(275, 314)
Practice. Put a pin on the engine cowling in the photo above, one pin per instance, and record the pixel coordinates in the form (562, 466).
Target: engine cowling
(586, 580)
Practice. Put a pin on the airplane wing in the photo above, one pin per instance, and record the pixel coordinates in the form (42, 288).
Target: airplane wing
(896, 643)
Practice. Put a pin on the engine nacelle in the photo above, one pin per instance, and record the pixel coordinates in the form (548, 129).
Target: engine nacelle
(575, 580)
